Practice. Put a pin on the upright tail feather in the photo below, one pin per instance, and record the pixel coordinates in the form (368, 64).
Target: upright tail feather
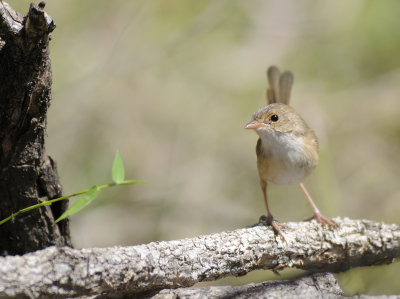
(273, 75)
(280, 86)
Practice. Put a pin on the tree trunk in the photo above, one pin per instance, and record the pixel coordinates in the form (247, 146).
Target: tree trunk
(27, 174)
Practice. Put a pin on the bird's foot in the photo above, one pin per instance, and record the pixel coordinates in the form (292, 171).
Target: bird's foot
(276, 226)
(323, 220)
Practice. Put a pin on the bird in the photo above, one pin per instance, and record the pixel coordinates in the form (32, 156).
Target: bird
(287, 148)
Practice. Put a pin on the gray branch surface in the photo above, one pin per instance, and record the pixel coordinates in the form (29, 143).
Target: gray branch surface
(321, 285)
(58, 272)
(318, 285)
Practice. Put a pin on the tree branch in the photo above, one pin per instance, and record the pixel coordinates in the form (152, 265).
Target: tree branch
(320, 285)
(65, 272)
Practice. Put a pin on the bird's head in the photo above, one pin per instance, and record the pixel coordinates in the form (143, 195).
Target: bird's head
(277, 118)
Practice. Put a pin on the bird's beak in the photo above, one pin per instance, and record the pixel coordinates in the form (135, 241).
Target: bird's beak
(253, 125)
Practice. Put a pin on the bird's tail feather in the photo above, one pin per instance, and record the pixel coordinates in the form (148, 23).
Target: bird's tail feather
(280, 86)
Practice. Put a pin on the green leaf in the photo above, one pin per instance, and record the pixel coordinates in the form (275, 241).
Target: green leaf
(118, 171)
(81, 202)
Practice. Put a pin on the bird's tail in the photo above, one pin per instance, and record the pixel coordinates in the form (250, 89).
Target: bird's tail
(280, 86)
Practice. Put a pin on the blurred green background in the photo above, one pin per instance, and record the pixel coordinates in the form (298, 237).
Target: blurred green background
(171, 85)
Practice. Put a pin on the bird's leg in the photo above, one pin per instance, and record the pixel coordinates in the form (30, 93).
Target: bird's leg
(317, 214)
(269, 219)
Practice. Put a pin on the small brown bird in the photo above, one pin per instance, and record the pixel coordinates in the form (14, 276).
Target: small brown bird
(287, 150)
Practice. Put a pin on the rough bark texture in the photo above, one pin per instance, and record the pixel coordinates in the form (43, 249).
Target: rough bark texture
(27, 174)
(322, 285)
(66, 272)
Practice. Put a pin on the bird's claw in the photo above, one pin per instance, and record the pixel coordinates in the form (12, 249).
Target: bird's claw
(323, 220)
(276, 226)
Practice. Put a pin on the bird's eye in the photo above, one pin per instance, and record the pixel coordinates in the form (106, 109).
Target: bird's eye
(274, 117)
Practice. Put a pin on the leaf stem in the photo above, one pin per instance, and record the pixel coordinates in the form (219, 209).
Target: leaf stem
(49, 202)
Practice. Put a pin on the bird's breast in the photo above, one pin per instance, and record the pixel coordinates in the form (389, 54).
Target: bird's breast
(285, 158)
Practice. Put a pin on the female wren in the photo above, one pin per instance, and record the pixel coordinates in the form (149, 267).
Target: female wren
(287, 150)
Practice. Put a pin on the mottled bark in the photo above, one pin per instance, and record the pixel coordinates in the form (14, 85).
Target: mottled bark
(66, 272)
(321, 285)
(27, 174)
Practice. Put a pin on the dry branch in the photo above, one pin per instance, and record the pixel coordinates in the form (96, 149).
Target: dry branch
(65, 272)
(320, 285)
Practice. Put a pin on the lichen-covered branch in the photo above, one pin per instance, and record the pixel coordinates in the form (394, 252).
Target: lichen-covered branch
(319, 285)
(65, 272)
